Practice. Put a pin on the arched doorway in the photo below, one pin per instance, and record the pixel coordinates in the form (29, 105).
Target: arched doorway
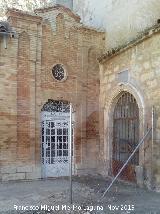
(125, 135)
(55, 116)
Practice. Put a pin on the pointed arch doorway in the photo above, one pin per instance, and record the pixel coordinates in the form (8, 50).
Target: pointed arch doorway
(55, 117)
(125, 135)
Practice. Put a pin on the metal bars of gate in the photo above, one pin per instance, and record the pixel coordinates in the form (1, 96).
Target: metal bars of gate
(126, 128)
(130, 157)
(70, 152)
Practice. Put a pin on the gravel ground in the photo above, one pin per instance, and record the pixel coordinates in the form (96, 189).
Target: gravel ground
(46, 195)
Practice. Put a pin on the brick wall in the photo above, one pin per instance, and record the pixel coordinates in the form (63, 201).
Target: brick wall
(27, 84)
(71, 45)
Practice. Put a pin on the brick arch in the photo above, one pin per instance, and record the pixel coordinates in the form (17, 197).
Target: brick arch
(24, 35)
(110, 104)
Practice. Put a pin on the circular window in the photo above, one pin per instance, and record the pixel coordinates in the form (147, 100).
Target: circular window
(59, 72)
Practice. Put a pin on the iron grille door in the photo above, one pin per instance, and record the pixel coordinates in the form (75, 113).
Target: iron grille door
(125, 135)
(55, 139)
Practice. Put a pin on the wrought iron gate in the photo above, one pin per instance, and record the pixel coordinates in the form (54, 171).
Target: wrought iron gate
(125, 135)
(55, 139)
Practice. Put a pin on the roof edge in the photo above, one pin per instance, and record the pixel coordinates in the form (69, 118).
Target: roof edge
(20, 13)
(149, 32)
(91, 28)
(59, 7)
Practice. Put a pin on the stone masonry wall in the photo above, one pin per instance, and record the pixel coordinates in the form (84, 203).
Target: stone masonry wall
(143, 64)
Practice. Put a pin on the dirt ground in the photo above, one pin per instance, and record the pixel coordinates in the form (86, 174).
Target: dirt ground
(52, 196)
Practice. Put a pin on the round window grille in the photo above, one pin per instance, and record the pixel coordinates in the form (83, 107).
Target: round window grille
(59, 72)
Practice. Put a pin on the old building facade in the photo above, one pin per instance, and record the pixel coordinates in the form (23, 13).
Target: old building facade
(48, 60)
(129, 97)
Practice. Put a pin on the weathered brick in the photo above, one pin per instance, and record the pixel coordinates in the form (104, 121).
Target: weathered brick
(27, 83)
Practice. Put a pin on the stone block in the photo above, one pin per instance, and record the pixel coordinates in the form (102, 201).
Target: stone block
(35, 174)
(12, 177)
(8, 169)
(157, 179)
(111, 78)
(139, 175)
(152, 83)
(158, 163)
(24, 169)
(146, 76)
(146, 65)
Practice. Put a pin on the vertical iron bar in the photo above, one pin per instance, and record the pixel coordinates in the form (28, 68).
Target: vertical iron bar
(70, 152)
(125, 164)
(153, 112)
(120, 129)
(42, 147)
(45, 156)
(50, 142)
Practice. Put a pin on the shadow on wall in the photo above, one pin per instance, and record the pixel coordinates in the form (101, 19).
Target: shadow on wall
(92, 125)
